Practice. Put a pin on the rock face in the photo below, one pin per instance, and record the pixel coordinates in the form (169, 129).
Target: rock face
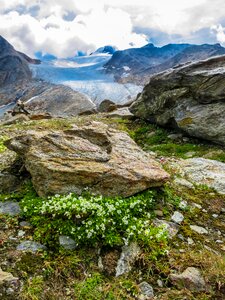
(95, 157)
(13, 66)
(191, 98)
(137, 64)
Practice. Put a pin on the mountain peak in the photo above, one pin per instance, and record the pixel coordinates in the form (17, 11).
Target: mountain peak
(108, 49)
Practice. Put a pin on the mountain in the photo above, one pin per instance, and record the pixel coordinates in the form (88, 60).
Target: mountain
(105, 50)
(16, 83)
(13, 66)
(137, 64)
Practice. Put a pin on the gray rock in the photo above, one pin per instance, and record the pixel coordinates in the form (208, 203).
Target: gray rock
(199, 229)
(6, 277)
(10, 208)
(8, 183)
(146, 290)
(127, 258)
(190, 97)
(123, 113)
(30, 246)
(204, 171)
(67, 243)
(25, 224)
(170, 227)
(191, 279)
(107, 106)
(175, 136)
(177, 217)
(96, 157)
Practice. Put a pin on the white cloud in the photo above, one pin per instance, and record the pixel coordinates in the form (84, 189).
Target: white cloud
(102, 22)
(220, 33)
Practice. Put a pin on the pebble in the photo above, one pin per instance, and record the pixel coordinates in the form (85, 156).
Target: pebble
(146, 290)
(183, 204)
(30, 246)
(177, 217)
(160, 283)
(215, 216)
(21, 233)
(10, 208)
(67, 242)
(158, 213)
(190, 241)
(199, 229)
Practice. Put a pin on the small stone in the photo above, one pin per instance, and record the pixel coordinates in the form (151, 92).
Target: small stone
(158, 213)
(170, 227)
(215, 216)
(190, 241)
(180, 236)
(177, 217)
(100, 264)
(160, 283)
(10, 208)
(204, 210)
(223, 210)
(25, 224)
(30, 246)
(128, 256)
(219, 241)
(199, 229)
(223, 247)
(10, 291)
(190, 154)
(197, 205)
(183, 204)
(146, 289)
(186, 139)
(191, 279)
(21, 233)
(67, 243)
(175, 136)
(6, 277)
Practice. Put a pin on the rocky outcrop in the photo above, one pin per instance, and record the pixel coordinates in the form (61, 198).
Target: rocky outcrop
(190, 98)
(94, 157)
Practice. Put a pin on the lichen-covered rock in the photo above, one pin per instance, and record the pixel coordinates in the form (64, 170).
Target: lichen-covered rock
(11, 208)
(6, 277)
(191, 279)
(191, 98)
(203, 171)
(127, 258)
(95, 157)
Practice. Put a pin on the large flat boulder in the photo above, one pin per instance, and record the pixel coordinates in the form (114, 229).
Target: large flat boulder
(190, 98)
(92, 157)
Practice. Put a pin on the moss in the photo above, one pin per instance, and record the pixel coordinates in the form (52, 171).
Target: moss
(185, 122)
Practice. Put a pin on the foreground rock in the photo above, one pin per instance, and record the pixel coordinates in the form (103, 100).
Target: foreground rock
(6, 277)
(95, 157)
(10, 208)
(191, 98)
(203, 171)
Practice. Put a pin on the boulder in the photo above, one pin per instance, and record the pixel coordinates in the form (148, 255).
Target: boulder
(93, 157)
(190, 98)
(106, 106)
(203, 171)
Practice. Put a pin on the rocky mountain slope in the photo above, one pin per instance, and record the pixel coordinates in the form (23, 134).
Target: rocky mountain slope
(136, 65)
(16, 83)
(190, 98)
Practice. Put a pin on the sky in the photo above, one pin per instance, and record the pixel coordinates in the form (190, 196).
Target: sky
(64, 27)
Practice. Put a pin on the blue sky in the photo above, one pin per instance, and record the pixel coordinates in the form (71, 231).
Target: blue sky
(63, 27)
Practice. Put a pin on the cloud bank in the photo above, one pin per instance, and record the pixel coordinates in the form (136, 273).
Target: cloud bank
(64, 27)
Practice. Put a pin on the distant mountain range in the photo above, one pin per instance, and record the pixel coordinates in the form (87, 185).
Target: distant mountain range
(137, 64)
